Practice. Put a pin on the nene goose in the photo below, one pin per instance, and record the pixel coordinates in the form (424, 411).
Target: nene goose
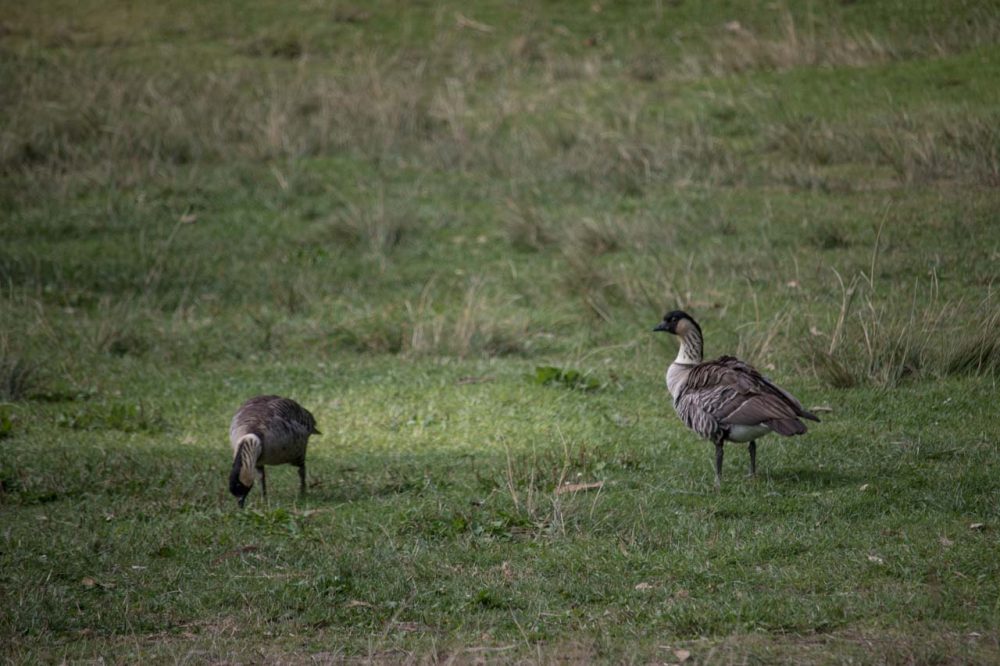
(268, 430)
(726, 400)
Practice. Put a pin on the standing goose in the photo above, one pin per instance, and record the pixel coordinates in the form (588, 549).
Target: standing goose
(726, 400)
(268, 430)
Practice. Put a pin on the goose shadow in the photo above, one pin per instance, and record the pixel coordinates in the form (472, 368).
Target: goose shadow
(809, 478)
(350, 486)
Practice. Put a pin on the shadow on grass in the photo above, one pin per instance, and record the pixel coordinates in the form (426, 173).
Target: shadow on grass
(352, 485)
(804, 478)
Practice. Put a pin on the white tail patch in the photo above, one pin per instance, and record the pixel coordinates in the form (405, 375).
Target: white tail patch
(746, 433)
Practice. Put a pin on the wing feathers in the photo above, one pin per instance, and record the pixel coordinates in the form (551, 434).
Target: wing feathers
(271, 416)
(786, 427)
(728, 391)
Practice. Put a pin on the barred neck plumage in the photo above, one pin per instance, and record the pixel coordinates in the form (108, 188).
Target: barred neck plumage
(247, 454)
(690, 352)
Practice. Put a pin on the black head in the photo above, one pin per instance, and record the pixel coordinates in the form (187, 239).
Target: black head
(671, 320)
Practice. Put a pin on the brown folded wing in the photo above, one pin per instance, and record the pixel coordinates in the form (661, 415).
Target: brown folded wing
(271, 416)
(727, 392)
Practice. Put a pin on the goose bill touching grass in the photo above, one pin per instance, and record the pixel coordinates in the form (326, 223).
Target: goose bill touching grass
(726, 400)
(268, 430)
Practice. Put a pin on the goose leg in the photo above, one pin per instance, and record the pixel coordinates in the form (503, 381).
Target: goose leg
(302, 478)
(753, 458)
(263, 481)
(718, 465)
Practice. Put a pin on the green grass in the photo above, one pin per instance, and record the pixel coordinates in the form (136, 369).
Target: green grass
(448, 231)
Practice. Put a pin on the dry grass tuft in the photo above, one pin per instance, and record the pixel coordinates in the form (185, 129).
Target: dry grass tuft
(631, 148)
(376, 229)
(114, 327)
(829, 236)
(917, 150)
(287, 46)
(594, 238)
(17, 378)
(757, 340)
(586, 279)
(876, 342)
(527, 227)
(369, 332)
(958, 146)
(870, 343)
(478, 327)
(738, 49)
(83, 118)
(978, 353)
(735, 48)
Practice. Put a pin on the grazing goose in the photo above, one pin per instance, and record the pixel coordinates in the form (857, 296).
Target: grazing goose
(268, 430)
(726, 400)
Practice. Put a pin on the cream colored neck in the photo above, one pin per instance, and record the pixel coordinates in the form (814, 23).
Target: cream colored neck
(687, 356)
(690, 352)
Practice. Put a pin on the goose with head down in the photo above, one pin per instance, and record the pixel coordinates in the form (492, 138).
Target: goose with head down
(726, 400)
(268, 430)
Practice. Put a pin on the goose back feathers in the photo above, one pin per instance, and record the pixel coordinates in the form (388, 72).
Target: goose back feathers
(282, 423)
(728, 398)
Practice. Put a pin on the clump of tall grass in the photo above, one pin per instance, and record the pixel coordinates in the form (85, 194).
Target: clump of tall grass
(380, 332)
(74, 122)
(738, 49)
(829, 236)
(584, 278)
(71, 118)
(627, 147)
(978, 351)
(376, 228)
(759, 339)
(961, 145)
(288, 46)
(17, 378)
(593, 237)
(116, 327)
(630, 265)
(956, 146)
(476, 329)
(527, 227)
(538, 485)
(875, 341)
(733, 47)
(434, 325)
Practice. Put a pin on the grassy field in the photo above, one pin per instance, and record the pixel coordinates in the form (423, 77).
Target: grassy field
(400, 214)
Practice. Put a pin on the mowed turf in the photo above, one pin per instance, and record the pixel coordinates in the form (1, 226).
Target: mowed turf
(402, 217)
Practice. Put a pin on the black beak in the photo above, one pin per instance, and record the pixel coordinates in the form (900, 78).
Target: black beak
(243, 500)
(662, 326)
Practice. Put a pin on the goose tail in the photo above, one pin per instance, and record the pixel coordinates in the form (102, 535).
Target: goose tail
(808, 415)
(787, 427)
